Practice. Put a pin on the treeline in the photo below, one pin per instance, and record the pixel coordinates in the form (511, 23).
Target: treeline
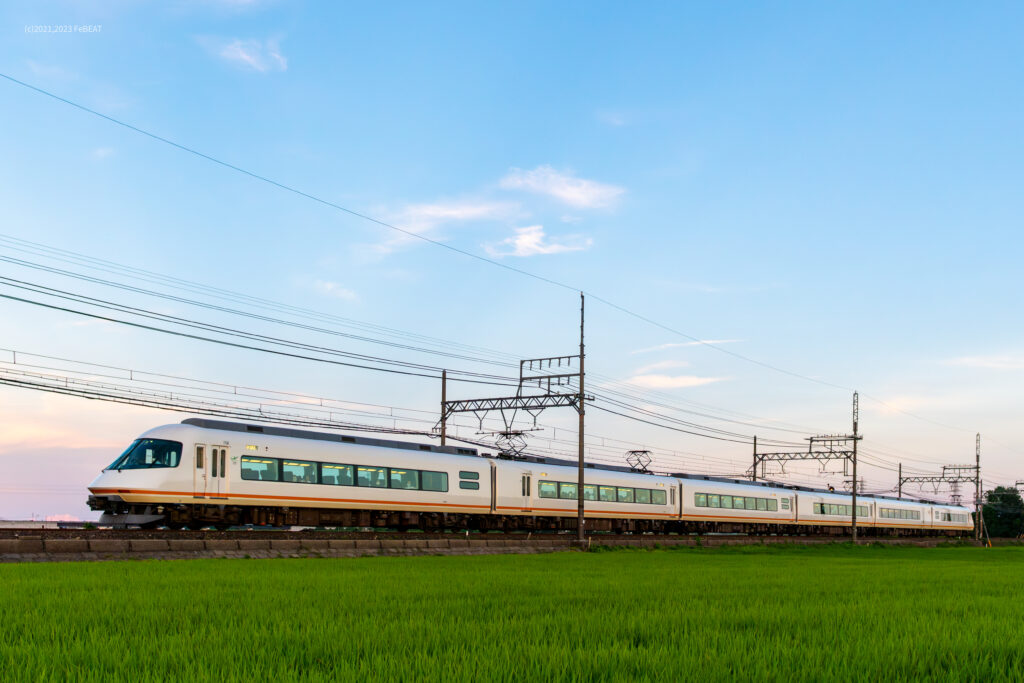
(1003, 512)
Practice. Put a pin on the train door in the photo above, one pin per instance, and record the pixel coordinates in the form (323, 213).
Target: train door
(527, 482)
(199, 471)
(217, 472)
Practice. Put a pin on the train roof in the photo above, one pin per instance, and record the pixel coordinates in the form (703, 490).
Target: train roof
(461, 450)
(203, 423)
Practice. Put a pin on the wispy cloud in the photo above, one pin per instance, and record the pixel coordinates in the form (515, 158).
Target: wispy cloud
(565, 187)
(995, 362)
(663, 365)
(671, 381)
(612, 118)
(531, 241)
(680, 345)
(102, 152)
(335, 290)
(260, 56)
(427, 219)
(890, 405)
(49, 71)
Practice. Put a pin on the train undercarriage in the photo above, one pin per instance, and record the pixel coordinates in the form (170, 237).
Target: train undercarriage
(180, 516)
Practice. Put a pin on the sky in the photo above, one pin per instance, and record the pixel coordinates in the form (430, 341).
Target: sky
(827, 193)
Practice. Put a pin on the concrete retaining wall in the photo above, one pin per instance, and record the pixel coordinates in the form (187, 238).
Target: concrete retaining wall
(36, 549)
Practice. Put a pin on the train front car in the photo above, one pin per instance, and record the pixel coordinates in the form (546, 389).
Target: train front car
(133, 490)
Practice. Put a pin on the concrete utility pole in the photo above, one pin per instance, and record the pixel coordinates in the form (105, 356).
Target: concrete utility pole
(856, 419)
(444, 399)
(900, 489)
(977, 486)
(753, 470)
(581, 407)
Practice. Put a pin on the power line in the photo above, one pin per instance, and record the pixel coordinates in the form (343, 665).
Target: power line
(415, 235)
(102, 265)
(100, 303)
(172, 386)
(255, 316)
(462, 252)
(177, 283)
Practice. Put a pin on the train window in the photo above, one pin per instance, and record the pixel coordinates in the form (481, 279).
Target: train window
(373, 477)
(526, 484)
(298, 471)
(199, 457)
(547, 489)
(567, 491)
(223, 463)
(337, 475)
(214, 459)
(471, 485)
(727, 502)
(625, 494)
(608, 494)
(658, 497)
(737, 502)
(259, 469)
(469, 475)
(644, 496)
(773, 505)
(406, 479)
(673, 490)
(762, 504)
(700, 500)
(750, 503)
(434, 481)
(148, 453)
(589, 492)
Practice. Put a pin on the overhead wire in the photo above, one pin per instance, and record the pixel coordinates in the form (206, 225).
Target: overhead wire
(438, 243)
(424, 238)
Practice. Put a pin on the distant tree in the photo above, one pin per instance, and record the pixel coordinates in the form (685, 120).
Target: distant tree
(1003, 512)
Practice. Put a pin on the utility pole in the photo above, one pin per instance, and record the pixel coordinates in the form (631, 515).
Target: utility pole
(900, 489)
(444, 399)
(753, 470)
(856, 419)
(977, 486)
(580, 407)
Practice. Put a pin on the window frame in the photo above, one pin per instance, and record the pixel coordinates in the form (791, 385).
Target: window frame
(340, 467)
(262, 460)
(302, 463)
(443, 476)
(374, 468)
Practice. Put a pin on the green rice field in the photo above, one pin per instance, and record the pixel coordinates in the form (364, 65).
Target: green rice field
(754, 613)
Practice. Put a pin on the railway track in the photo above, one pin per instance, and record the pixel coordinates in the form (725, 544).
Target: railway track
(523, 537)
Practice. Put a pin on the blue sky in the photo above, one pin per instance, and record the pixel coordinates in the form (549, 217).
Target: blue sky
(832, 189)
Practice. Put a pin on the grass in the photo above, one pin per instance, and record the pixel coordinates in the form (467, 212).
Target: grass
(754, 613)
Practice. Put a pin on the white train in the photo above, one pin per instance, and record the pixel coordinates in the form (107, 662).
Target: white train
(207, 472)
